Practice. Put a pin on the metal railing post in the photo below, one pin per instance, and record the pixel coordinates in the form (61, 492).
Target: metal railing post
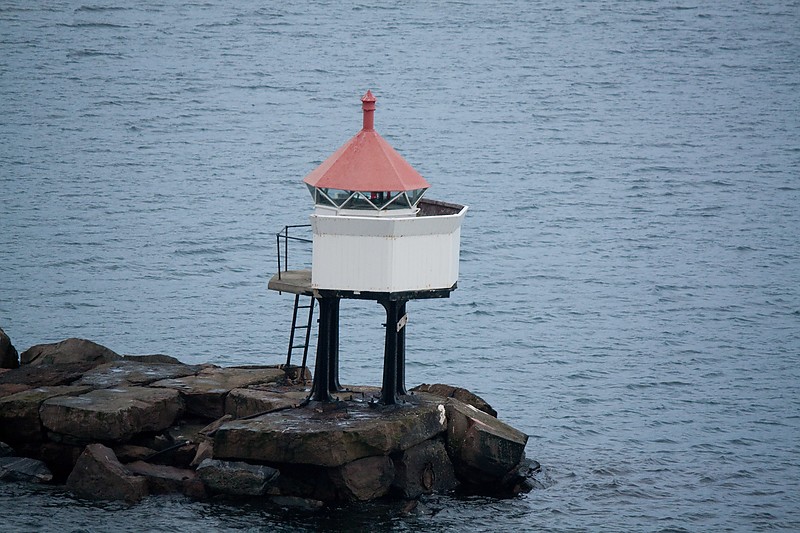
(286, 248)
(283, 266)
(278, 242)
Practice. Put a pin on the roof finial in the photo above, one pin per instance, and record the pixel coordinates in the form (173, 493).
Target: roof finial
(368, 106)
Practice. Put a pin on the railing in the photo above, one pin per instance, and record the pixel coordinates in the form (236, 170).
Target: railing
(284, 234)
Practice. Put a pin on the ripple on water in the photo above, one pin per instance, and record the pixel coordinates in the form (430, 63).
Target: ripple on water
(627, 292)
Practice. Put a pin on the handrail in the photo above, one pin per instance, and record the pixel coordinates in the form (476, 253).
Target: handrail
(284, 234)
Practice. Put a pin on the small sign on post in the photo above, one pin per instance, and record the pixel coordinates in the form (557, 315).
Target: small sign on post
(402, 322)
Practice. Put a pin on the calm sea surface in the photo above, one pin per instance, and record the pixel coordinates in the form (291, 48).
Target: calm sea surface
(630, 271)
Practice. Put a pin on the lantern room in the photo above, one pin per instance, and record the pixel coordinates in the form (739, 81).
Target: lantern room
(366, 176)
(372, 229)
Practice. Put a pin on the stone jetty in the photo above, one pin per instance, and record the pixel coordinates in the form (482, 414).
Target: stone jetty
(125, 427)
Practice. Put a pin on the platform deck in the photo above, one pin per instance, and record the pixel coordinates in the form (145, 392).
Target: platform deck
(293, 282)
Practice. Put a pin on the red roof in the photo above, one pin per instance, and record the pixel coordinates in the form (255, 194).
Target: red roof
(367, 162)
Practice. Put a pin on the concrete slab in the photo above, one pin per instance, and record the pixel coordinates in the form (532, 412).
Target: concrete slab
(132, 373)
(20, 424)
(484, 450)
(248, 402)
(293, 282)
(112, 414)
(330, 434)
(46, 375)
(205, 392)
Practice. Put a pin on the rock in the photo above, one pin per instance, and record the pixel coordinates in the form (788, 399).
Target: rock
(305, 481)
(465, 396)
(154, 358)
(176, 446)
(131, 373)
(236, 478)
(205, 443)
(296, 374)
(523, 480)
(205, 450)
(205, 392)
(155, 441)
(423, 469)
(295, 502)
(247, 402)
(484, 450)
(329, 437)
(6, 450)
(45, 376)
(112, 414)
(364, 479)
(68, 351)
(128, 453)
(20, 423)
(187, 431)
(9, 358)
(179, 454)
(351, 449)
(98, 475)
(185, 454)
(211, 428)
(24, 469)
(7, 389)
(60, 458)
(163, 479)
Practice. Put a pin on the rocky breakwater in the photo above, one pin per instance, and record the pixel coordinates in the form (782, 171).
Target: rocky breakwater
(124, 427)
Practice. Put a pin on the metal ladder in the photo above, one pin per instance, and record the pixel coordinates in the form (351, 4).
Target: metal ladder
(295, 327)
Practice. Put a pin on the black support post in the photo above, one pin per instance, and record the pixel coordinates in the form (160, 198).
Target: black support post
(401, 350)
(328, 323)
(389, 386)
(333, 368)
(394, 355)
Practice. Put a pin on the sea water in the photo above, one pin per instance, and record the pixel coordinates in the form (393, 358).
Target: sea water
(629, 293)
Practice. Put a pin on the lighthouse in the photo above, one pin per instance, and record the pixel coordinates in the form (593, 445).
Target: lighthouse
(375, 237)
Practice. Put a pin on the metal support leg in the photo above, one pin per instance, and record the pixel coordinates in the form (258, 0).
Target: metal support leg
(394, 355)
(333, 368)
(320, 391)
(389, 386)
(308, 339)
(401, 350)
